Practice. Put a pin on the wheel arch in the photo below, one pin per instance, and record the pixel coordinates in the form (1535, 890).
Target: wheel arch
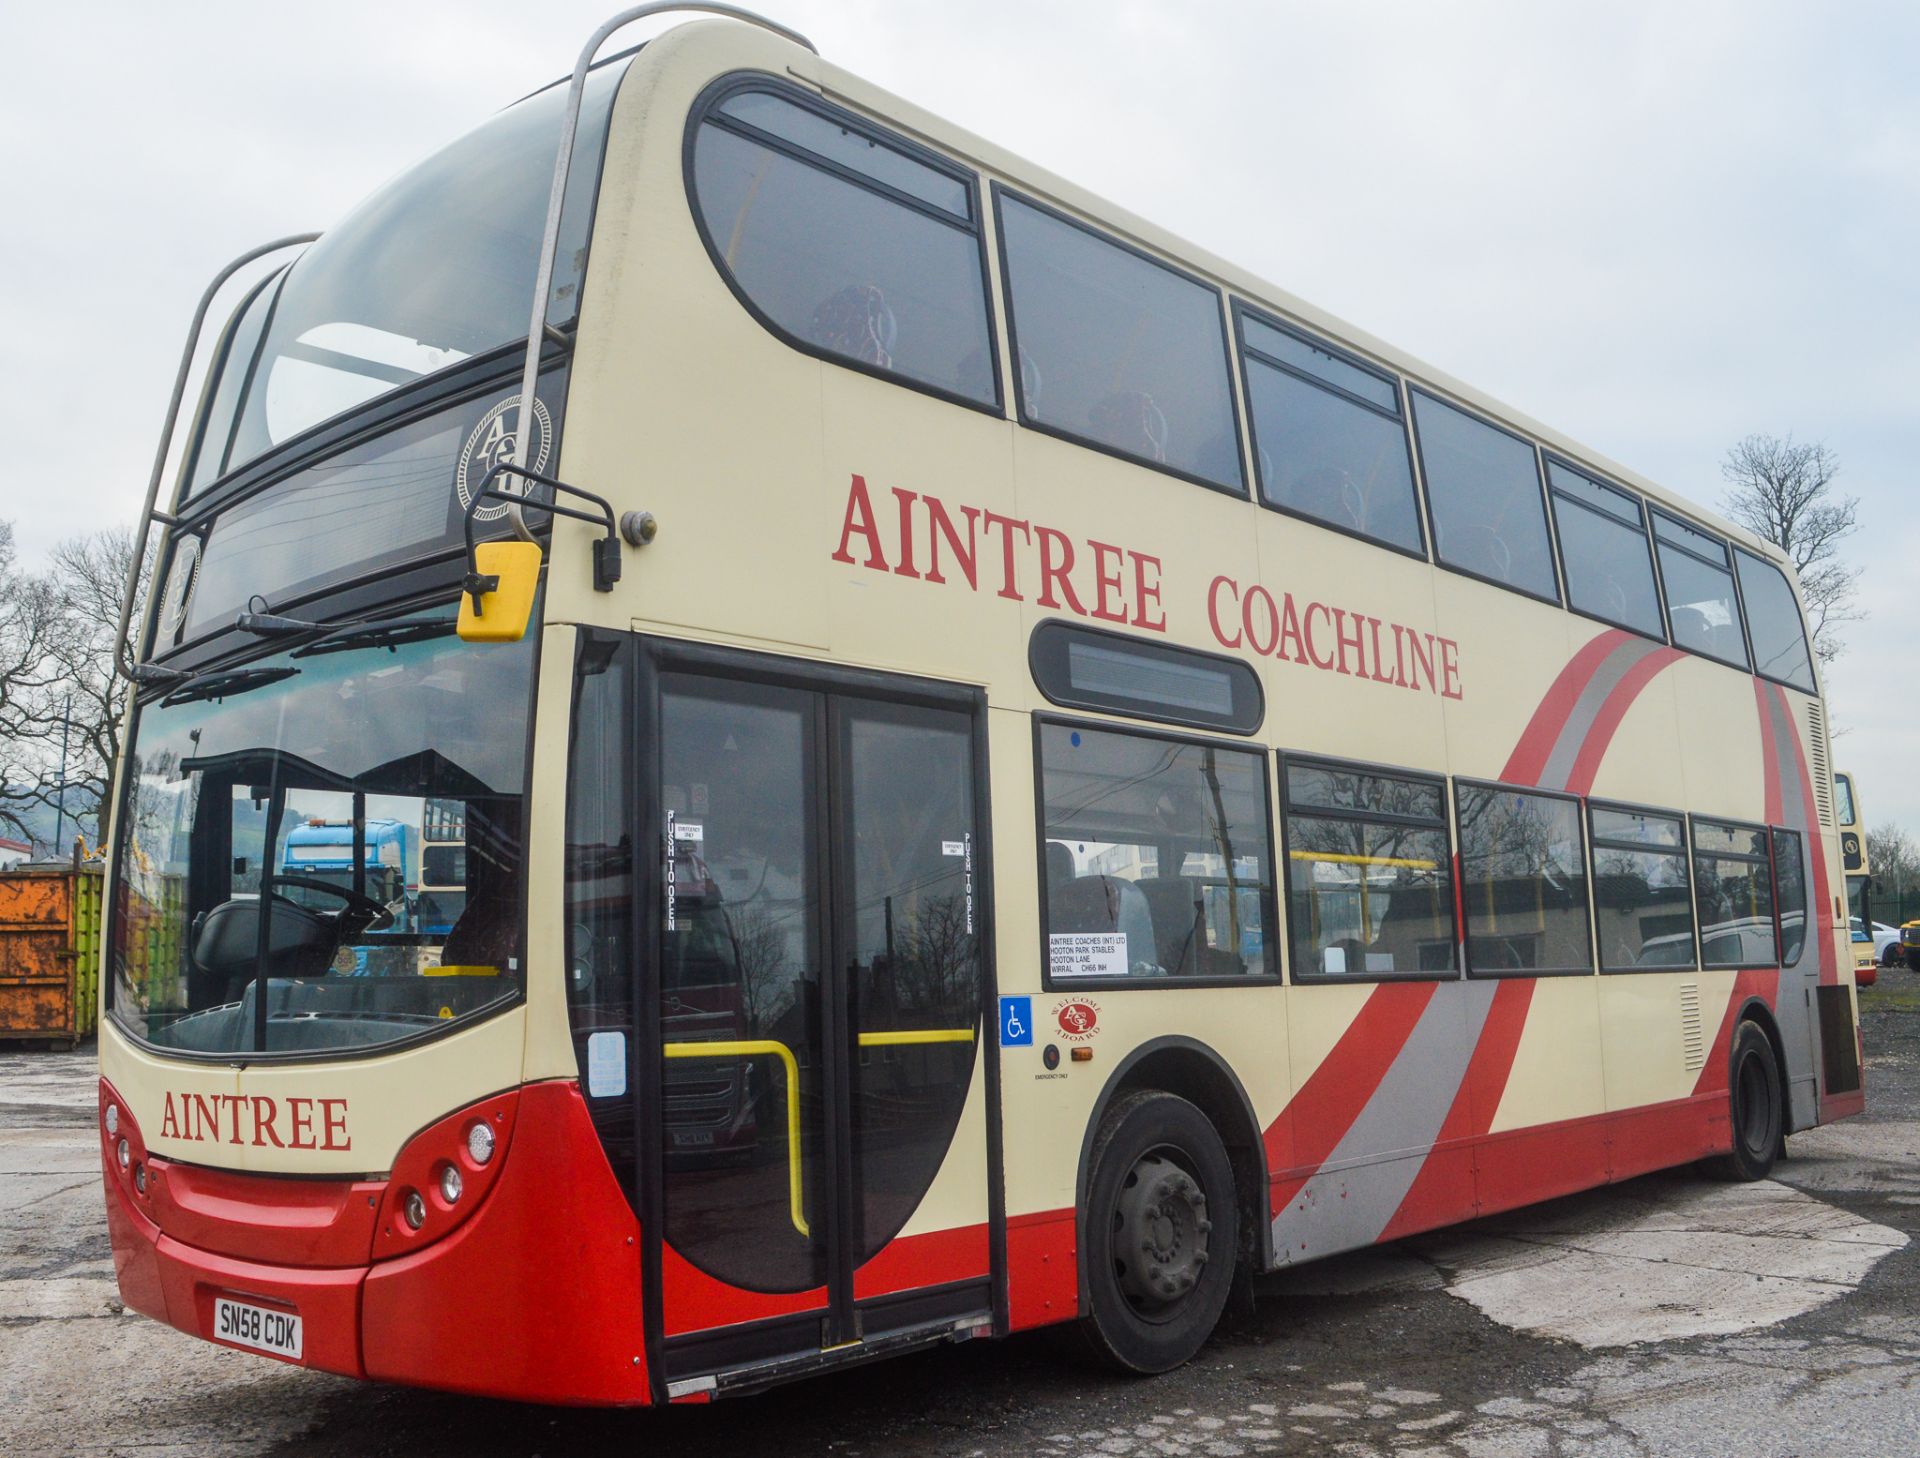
(1195, 1072)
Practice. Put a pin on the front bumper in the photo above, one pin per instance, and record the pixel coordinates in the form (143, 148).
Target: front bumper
(534, 1296)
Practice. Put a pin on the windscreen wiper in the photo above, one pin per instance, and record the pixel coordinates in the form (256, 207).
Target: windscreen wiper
(225, 685)
(391, 636)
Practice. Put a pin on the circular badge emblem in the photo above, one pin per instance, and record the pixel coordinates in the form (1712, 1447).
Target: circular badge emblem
(1078, 1019)
(180, 580)
(491, 443)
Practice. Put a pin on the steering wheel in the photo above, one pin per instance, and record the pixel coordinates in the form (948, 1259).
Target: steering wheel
(378, 917)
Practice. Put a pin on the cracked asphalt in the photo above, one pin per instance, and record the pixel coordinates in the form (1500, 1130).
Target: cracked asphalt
(1666, 1316)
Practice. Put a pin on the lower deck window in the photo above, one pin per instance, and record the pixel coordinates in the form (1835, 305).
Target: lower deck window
(1523, 882)
(1369, 885)
(1733, 886)
(1643, 907)
(1157, 859)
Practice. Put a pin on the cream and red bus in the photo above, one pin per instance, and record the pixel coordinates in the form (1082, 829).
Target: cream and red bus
(1010, 773)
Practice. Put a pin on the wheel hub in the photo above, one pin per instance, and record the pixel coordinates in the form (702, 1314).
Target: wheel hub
(1161, 1233)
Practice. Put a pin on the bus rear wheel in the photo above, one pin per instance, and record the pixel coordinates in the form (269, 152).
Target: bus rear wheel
(1162, 1230)
(1753, 1093)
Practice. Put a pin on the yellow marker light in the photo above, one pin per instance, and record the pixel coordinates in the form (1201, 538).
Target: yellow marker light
(503, 611)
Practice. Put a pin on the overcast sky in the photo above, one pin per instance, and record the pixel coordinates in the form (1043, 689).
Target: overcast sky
(1656, 226)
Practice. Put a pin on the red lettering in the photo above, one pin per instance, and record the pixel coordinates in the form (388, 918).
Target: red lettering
(201, 1109)
(1400, 658)
(1342, 641)
(1052, 572)
(1422, 658)
(1290, 628)
(332, 1123)
(1213, 610)
(1313, 655)
(300, 1115)
(263, 1120)
(1450, 668)
(1104, 579)
(858, 506)
(906, 500)
(1373, 627)
(1009, 582)
(1248, 621)
(1145, 592)
(939, 525)
(169, 1120)
(235, 1103)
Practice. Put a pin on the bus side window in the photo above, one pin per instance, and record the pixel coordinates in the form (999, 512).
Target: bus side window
(855, 246)
(1483, 488)
(1369, 873)
(1157, 857)
(1135, 351)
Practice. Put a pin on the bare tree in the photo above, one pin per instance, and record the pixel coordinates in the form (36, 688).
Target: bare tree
(1782, 490)
(1895, 863)
(29, 623)
(60, 699)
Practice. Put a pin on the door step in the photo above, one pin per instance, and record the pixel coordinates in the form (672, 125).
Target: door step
(757, 1376)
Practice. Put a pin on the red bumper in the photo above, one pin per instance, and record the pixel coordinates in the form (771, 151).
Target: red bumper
(534, 1295)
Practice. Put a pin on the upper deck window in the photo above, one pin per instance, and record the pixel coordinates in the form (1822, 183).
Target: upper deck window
(1773, 622)
(849, 243)
(1701, 608)
(434, 268)
(1483, 488)
(1117, 349)
(1604, 551)
(1329, 442)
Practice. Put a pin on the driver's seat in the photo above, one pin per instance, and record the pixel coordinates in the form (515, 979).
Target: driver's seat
(484, 935)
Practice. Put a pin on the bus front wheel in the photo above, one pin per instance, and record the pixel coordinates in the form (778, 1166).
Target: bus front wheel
(1753, 1094)
(1161, 1231)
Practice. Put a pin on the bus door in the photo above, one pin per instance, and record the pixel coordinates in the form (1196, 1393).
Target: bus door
(820, 980)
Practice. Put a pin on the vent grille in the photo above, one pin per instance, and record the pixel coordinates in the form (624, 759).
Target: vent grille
(1822, 771)
(1693, 1036)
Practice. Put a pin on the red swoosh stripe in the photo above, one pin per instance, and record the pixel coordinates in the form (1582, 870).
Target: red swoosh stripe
(1769, 754)
(1594, 747)
(1530, 755)
(1319, 1115)
(1433, 1199)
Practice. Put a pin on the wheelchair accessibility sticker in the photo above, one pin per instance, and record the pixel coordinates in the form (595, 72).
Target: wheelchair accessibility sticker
(1016, 1022)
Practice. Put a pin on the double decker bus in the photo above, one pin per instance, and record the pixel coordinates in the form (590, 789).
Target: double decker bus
(1012, 773)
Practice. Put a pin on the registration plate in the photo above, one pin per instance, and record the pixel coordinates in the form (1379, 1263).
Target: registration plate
(693, 1138)
(276, 1332)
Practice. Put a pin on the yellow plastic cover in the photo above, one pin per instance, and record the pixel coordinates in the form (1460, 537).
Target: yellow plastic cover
(503, 613)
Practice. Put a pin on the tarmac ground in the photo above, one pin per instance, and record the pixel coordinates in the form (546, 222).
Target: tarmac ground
(1665, 1316)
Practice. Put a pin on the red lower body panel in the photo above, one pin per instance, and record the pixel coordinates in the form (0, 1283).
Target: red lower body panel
(535, 1295)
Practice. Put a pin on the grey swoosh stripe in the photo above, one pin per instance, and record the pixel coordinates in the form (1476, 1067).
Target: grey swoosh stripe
(1566, 749)
(1354, 1194)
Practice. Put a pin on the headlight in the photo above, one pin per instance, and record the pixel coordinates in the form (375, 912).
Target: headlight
(124, 1153)
(113, 1118)
(451, 1184)
(416, 1209)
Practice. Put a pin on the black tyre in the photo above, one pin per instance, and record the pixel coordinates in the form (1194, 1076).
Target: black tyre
(1162, 1228)
(1753, 1092)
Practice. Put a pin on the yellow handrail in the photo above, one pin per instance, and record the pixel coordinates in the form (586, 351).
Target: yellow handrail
(908, 1036)
(1341, 858)
(746, 1048)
